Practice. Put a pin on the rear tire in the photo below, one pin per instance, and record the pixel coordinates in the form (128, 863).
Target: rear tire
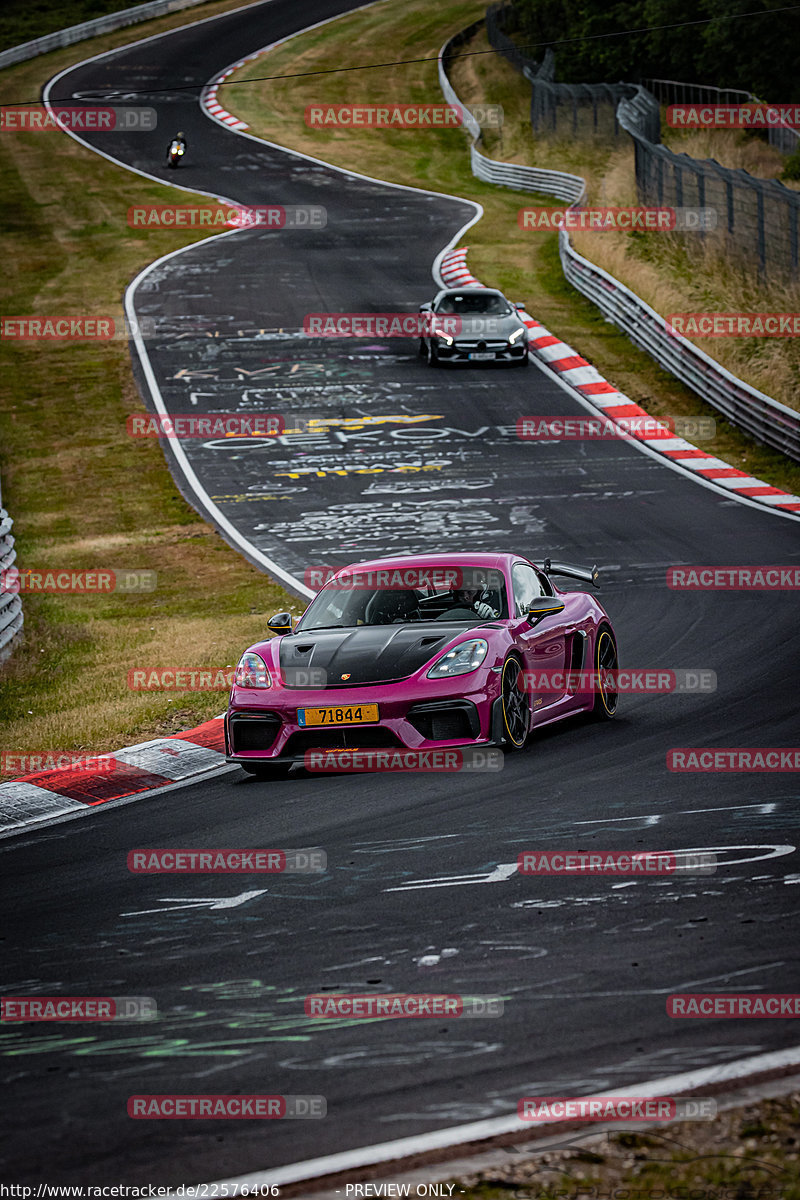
(605, 659)
(516, 707)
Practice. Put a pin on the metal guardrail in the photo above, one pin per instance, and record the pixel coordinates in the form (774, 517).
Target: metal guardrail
(11, 617)
(758, 414)
(514, 175)
(527, 179)
(89, 29)
(746, 407)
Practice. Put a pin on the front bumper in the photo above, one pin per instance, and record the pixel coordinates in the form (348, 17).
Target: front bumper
(262, 727)
(499, 351)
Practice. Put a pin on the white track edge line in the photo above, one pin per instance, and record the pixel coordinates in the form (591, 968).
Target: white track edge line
(456, 1135)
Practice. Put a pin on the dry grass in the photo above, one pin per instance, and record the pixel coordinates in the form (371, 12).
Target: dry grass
(734, 148)
(748, 1152)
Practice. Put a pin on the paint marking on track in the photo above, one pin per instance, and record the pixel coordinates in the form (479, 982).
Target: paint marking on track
(197, 903)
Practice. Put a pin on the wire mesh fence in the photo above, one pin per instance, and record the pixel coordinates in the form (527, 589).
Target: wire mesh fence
(672, 91)
(566, 110)
(757, 220)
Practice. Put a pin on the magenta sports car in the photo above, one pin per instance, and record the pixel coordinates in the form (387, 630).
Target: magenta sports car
(422, 652)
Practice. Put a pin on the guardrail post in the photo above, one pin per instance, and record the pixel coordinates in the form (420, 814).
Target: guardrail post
(11, 616)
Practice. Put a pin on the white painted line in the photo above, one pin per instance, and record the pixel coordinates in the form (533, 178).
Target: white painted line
(476, 1131)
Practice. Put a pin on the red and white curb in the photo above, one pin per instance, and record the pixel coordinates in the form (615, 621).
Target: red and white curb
(591, 385)
(210, 103)
(136, 769)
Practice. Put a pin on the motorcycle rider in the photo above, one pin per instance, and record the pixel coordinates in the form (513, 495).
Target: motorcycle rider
(177, 144)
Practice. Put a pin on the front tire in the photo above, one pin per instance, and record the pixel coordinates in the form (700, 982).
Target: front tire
(605, 659)
(431, 357)
(516, 705)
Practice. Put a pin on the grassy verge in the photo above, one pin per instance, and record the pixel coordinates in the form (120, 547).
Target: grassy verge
(501, 254)
(82, 493)
(744, 1154)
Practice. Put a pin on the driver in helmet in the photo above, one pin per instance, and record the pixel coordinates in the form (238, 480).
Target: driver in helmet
(466, 602)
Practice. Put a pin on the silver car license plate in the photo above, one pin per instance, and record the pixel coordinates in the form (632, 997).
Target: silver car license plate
(481, 357)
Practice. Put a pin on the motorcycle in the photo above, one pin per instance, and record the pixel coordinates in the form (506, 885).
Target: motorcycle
(175, 152)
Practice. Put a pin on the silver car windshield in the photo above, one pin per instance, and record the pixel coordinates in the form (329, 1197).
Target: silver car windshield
(477, 304)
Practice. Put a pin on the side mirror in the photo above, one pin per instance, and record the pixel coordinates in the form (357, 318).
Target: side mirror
(519, 305)
(425, 308)
(281, 623)
(544, 606)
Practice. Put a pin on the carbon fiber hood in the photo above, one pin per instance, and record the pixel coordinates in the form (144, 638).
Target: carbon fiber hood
(368, 654)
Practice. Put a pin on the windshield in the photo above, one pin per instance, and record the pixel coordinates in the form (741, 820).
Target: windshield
(467, 594)
(475, 304)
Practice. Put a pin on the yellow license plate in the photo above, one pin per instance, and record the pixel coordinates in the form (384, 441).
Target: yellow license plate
(349, 714)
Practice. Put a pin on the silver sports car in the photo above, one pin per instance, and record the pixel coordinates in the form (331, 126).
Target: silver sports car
(473, 325)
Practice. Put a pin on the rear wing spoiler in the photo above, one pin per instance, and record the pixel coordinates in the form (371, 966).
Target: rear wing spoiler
(586, 574)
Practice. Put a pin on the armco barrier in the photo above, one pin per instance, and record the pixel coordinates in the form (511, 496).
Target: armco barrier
(89, 29)
(513, 175)
(10, 603)
(527, 179)
(744, 406)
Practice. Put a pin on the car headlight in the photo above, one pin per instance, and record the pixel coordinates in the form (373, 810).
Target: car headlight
(440, 333)
(251, 672)
(516, 335)
(462, 659)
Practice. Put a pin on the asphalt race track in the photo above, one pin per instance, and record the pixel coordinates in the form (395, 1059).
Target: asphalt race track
(412, 900)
